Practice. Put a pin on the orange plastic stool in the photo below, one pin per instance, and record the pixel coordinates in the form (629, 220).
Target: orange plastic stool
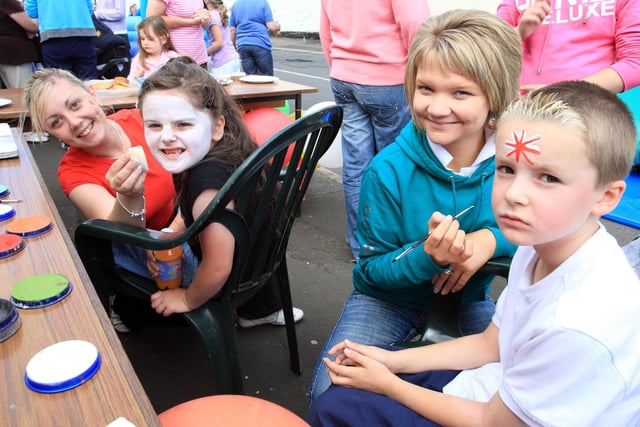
(230, 410)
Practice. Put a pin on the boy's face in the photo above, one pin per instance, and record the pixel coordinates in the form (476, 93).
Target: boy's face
(544, 190)
(178, 134)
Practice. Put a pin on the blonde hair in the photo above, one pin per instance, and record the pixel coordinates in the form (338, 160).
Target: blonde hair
(36, 93)
(600, 117)
(474, 44)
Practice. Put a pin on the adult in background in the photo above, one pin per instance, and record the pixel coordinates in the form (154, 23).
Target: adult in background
(187, 20)
(366, 48)
(113, 13)
(66, 35)
(251, 22)
(18, 49)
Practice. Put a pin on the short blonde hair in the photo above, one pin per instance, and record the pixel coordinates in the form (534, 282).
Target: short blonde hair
(600, 117)
(37, 89)
(474, 44)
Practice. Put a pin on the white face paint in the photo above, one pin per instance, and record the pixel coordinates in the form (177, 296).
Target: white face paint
(178, 135)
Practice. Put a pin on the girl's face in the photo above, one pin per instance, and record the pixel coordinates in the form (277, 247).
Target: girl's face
(178, 134)
(73, 115)
(451, 108)
(151, 43)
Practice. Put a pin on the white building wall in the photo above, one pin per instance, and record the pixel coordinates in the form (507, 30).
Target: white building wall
(304, 15)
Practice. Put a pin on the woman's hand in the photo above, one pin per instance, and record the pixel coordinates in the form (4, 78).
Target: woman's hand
(126, 176)
(446, 243)
(532, 18)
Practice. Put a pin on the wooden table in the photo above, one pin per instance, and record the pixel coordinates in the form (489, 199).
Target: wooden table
(115, 390)
(247, 94)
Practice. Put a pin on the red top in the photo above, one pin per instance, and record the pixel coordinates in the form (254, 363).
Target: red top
(77, 168)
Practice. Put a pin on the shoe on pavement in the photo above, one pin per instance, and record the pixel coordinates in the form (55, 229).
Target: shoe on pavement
(276, 318)
(117, 323)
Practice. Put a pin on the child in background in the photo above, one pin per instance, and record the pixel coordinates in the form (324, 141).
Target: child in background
(224, 59)
(195, 130)
(564, 345)
(156, 47)
(462, 72)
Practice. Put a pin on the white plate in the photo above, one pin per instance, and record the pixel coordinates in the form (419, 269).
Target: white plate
(224, 82)
(114, 93)
(4, 102)
(258, 79)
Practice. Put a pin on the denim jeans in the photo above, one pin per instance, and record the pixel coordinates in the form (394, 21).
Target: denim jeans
(75, 54)
(371, 321)
(256, 60)
(373, 118)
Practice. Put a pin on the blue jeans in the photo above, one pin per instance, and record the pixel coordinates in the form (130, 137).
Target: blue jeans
(371, 321)
(75, 54)
(373, 118)
(256, 60)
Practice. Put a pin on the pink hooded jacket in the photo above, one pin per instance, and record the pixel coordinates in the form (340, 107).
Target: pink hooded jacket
(578, 39)
(366, 42)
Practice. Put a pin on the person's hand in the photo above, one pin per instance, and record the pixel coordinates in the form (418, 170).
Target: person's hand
(126, 176)
(377, 353)
(152, 264)
(170, 301)
(446, 243)
(532, 18)
(203, 17)
(362, 372)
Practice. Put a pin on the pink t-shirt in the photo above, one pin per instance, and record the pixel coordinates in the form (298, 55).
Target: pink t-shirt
(578, 39)
(187, 40)
(152, 66)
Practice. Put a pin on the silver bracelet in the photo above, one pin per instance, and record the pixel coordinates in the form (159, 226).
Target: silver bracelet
(134, 214)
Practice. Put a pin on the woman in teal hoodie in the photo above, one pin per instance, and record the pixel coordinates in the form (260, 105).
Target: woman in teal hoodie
(462, 72)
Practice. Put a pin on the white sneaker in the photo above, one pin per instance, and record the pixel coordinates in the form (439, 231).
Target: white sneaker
(117, 323)
(276, 318)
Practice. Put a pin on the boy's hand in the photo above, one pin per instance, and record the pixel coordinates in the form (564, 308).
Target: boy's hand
(363, 372)
(377, 353)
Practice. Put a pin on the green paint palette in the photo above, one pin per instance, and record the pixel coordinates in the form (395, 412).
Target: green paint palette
(40, 291)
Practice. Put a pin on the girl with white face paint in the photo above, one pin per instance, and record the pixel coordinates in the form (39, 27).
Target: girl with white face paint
(195, 131)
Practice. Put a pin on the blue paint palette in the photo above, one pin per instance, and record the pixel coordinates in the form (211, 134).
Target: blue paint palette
(10, 320)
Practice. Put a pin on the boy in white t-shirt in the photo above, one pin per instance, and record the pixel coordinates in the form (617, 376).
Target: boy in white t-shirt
(564, 344)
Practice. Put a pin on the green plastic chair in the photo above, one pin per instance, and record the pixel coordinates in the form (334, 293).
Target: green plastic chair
(442, 321)
(261, 245)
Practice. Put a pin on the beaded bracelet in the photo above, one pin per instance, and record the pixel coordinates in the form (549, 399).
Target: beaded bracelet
(134, 214)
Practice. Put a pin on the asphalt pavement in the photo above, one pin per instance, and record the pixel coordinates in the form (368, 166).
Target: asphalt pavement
(171, 362)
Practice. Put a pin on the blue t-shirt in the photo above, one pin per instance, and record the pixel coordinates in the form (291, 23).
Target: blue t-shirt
(250, 18)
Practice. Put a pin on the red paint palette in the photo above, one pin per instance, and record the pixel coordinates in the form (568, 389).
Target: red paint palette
(30, 226)
(10, 244)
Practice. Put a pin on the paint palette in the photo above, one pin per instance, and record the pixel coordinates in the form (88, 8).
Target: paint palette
(40, 291)
(10, 320)
(62, 366)
(4, 191)
(30, 226)
(10, 244)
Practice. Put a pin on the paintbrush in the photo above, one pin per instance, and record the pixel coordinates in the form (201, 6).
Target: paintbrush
(421, 241)
(10, 201)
